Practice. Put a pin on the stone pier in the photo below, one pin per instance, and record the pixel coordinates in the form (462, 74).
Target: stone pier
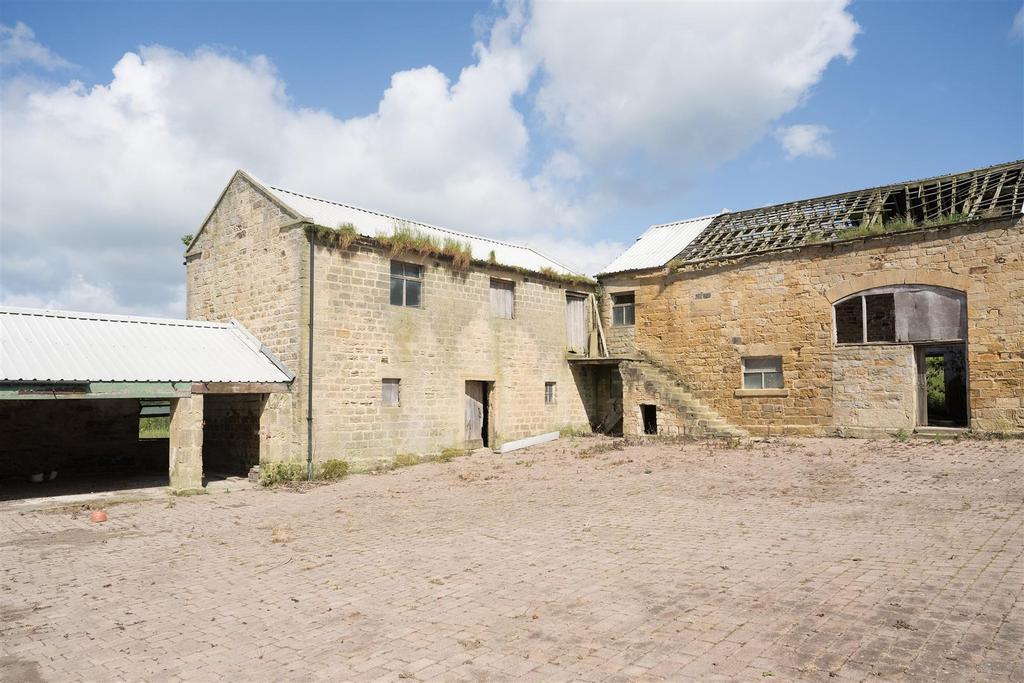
(186, 443)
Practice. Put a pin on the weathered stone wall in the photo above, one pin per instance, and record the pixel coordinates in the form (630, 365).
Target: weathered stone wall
(621, 339)
(248, 263)
(701, 322)
(361, 338)
(76, 436)
(231, 431)
(874, 387)
(251, 263)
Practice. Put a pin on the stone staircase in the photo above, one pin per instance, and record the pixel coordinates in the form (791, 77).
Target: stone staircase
(671, 393)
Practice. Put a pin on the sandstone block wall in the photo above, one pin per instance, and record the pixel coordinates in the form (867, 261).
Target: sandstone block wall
(251, 263)
(874, 387)
(248, 263)
(703, 321)
(454, 337)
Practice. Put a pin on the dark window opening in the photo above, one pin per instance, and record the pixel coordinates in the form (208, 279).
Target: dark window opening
(549, 393)
(406, 284)
(650, 417)
(623, 309)
(850, 321)
(881, 317)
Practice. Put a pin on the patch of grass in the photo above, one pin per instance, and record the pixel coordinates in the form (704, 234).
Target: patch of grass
(278, 472)
(902, 223)
(330, 470)
(405, 460)
(158, 427)
(449, 454)
(901, 435)
(342, 236)
(573, 431)
(187, 238)
(282, 472)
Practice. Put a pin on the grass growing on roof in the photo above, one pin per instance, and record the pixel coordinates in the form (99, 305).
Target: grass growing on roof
(342, 236)
(407, 239)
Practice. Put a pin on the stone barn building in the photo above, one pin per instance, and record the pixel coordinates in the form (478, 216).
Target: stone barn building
(893, 308)
(405, 338)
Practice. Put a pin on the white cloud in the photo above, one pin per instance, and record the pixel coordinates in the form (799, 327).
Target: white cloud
(100, 182)
(1018, 23)
(18, 46)
(681, 86)
(805, 140)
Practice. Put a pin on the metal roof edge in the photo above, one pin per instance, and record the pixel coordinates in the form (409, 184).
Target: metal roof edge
(258, 346)
(108, 317)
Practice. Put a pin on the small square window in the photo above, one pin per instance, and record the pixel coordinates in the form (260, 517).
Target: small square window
(623, 309)
(549, 393)
(762, 373)
(406, 284)
(390, 392)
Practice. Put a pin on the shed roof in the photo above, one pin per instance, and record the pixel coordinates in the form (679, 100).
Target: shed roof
(658, 245)
(46, 346)
(368, 223)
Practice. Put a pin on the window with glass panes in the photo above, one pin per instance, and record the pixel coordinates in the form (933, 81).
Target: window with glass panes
(623, 309)
(762, 373)
(406, 284)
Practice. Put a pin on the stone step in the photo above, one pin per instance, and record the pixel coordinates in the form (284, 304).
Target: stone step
(672, 391)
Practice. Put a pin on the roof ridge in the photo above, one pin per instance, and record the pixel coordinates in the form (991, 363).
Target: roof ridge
(408, 220)
(108, 317)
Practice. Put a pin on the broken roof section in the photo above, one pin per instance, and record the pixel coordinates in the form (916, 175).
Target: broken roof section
(330, 214)
(658, 245)
(992, 192)
(47, 346)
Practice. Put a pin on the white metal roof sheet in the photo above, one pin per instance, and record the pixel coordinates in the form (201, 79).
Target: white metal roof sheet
(39, 345)
(372, 223)
(659, 245)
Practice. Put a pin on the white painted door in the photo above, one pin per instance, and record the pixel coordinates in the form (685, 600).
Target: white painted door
(576, 322)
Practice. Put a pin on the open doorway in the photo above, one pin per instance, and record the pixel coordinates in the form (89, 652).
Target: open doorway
(478, 413)
(942, 385)
(649, 413)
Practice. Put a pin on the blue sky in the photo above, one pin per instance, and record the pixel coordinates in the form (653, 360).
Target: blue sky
(562, 112)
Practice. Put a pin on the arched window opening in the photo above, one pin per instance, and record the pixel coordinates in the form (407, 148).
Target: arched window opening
(901, 314)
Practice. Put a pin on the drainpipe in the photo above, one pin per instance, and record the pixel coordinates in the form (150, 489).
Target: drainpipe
(309, 365)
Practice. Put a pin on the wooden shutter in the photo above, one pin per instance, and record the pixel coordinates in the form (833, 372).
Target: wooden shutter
(502, 298)
(576, 323)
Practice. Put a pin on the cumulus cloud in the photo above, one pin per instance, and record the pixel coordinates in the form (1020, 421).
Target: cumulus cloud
(678, 87)
(100, 182)
(18, 46)
(805, 140)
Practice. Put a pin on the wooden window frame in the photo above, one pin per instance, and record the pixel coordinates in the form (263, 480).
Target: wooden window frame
(761, 373)
(622, 311)
(405, 278)
(510, 287)
(550, 397)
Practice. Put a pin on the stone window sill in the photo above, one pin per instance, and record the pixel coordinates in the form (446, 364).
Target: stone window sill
(755, 393)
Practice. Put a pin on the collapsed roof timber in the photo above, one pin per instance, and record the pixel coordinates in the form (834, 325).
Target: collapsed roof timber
(992, 192)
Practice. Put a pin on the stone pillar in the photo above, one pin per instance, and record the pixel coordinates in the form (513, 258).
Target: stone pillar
(186, 443)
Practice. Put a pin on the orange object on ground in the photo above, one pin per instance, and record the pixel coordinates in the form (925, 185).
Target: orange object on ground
(98, 516)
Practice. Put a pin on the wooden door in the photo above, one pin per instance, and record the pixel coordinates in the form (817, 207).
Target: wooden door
(576, 322)
(474, 413)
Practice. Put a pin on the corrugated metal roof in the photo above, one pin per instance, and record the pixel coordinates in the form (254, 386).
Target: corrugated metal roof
(659, 245)
(372, 223)
(39, 345)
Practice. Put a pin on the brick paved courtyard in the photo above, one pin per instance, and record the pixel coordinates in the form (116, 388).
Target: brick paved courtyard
(811, 560)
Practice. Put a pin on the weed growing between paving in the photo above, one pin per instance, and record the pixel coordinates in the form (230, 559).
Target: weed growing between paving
(274, 473)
